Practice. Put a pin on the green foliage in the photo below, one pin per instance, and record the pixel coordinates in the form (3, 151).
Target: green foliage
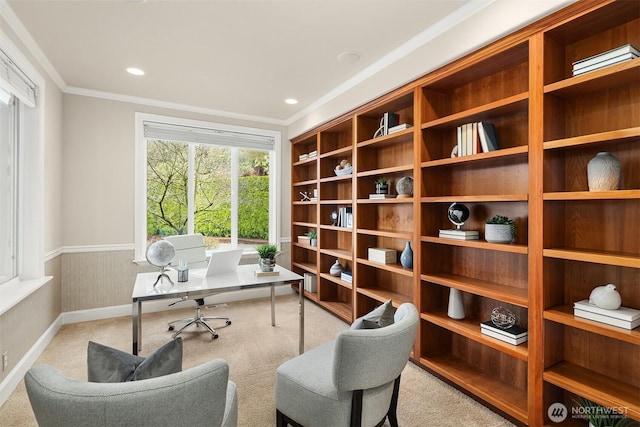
(499, 219)
(312, 234)
(267, 251)
(382, 180)
(167, 191)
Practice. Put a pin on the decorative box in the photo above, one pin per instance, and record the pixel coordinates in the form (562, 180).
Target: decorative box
(310, 284)
(304, 240)
(383, 256)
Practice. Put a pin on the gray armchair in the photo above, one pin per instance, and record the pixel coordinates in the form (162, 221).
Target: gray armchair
(351, 381)
(200, 396)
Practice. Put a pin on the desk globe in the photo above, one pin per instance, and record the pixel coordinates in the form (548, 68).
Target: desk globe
(458, 214)
(160, 254)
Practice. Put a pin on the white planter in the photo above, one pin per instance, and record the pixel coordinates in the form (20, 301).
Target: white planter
(498, 233)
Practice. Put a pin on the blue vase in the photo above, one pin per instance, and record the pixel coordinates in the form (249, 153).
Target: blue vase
(406, 258)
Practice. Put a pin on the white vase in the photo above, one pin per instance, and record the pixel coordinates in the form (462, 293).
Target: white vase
(336, 269)
(455, 310)
(603, 172)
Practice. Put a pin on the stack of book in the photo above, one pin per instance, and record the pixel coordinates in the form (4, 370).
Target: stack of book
(459, 234)
(614, 56)
(477, 137)
(514, 335)
(346, 276)
(381, 196)
(345, 217)
(623, 317)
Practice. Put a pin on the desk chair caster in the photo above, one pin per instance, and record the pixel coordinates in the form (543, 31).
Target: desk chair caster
(198, 320)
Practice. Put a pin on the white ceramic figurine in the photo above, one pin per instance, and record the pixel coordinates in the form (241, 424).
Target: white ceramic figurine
(606, 297)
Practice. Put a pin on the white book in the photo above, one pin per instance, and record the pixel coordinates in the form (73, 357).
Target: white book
(400, 127)
(382, 196)
(513, 341)
(611, 321)
(622, 313)
(443, 234)
(627, 48)
(612, 61)
(459, 134)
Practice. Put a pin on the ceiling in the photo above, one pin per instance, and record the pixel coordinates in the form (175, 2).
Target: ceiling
(234, 58)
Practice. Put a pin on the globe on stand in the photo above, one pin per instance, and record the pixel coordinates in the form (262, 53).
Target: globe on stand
(160, 254)
(458, 214)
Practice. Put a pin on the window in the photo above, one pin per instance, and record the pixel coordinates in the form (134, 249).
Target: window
(17, 178)
(208, 178)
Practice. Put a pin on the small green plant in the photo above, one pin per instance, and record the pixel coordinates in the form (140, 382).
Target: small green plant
(312, 234)
(600, 416)
(382, 181)
(499, 219)
(267, 251)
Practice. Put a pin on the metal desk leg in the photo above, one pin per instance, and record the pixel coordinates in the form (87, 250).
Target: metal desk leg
(273, 305)
(136, 317)
(301, 313)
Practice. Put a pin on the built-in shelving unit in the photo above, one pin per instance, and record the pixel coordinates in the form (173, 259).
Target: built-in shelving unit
(549, 124)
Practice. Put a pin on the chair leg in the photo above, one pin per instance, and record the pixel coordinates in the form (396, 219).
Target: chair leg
(393, 407)
(356, 408)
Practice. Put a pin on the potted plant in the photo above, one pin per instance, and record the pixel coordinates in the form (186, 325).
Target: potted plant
(313, 237)
(382, 185)
(600, 416)
(500, 229)
(267, 254)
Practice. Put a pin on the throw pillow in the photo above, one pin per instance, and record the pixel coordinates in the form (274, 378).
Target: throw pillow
(110, 365)
(378, 318)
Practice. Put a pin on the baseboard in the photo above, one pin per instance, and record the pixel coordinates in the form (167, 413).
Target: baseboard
(9, 384)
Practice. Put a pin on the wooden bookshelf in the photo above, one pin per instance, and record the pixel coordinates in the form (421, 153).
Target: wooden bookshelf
(549, 124)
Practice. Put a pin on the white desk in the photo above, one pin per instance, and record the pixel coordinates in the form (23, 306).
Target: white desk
(199, 286)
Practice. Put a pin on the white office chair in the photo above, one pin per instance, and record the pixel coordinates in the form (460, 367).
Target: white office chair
(190, 249)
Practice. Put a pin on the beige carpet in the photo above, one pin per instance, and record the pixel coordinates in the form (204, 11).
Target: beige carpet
(254, 350)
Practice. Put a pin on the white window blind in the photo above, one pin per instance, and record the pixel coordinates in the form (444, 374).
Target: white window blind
(199, 135)
(14, 81)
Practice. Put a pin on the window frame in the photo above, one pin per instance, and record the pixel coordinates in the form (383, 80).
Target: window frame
(141, 174)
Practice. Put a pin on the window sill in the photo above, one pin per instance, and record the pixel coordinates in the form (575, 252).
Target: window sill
(13, 292)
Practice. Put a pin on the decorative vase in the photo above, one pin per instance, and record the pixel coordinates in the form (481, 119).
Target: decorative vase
(455, 310)
(267, 264)
(313, 242)
(404, 187)
(498, 233)
(406, 257)
(336, 269)
(606, 297)
(603, 172)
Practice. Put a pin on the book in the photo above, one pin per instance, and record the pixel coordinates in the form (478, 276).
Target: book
(399, 127)
(459, 141)
(606, 63)
(389, 120)
(627, 48)
(487, 136)
(514, 331)
(474, 139)
(505, 338)
(259, 273)
(346, 276)
(611, 321)
(459, 234)
(622, 313)
(382, 196)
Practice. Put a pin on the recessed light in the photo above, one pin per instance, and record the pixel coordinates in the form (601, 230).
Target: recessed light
(291, 101)
(349, 57)
(135, 71)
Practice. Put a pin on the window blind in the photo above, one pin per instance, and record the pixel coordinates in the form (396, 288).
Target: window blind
(14, 81)
(198, 135)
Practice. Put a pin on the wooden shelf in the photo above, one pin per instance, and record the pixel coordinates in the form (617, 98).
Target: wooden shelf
(492, 155)
(337, 253)
(511, 295)
(338, 152)
(618, 75)
(564, 315)
(477, 199)
(595, 387)
(386, 233)
(611, 258)
(593, 195)
(395, 268)
(336, 280)
(471, 329)
(478, 244)
(311, 268)
(386, 171)
(503, 396)
(340, 309)
(383, 295)
(336, 178)
(406, 200)
(303, 183)
(618, 135)
(394, 138)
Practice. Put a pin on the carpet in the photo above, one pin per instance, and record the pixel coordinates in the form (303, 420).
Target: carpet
(253, 349)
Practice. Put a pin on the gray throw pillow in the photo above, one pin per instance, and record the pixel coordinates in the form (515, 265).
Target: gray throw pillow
(110, 365)
(378, 318)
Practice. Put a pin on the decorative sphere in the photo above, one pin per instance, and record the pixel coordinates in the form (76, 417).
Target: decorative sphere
(458, 213)
(503, 318)
(160, 253)
(404, 186)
